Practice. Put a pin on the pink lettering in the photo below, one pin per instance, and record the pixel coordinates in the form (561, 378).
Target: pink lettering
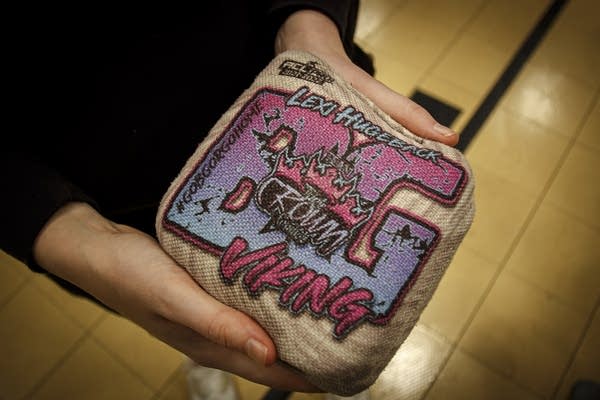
(268, 267)
(295, 287)
(319, 294)
(233, 260)
(274, 276)
(347, 310)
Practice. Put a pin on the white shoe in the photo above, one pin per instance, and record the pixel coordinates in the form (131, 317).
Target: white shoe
(209, 384)
(364, 395)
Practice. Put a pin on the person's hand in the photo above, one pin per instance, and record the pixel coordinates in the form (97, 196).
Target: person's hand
(129, 272)
(315, 33)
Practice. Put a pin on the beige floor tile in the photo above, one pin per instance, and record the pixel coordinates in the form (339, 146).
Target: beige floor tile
(450, 14)
(14, 264)
(250, 390)
(473, 64)
(414, 30)
(372, 14)
(576, 187)
(571, 51)
(148, 357)
(560, 255)
(584, 14)
(590, 134)
(586, 365)
(176, 388)
(524, 334)
(82, 310)
(550, 98)
(491, 26)
(453, 95)
(10, 278)
(466, 378)
(91, 373)
(518, 150)
(398, 75)
(34, 336)
(412, 38)
(501, 211)
(458, 293)
(414, 367)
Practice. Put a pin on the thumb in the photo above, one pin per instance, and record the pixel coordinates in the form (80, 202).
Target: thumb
(186, 303)
(399, 107)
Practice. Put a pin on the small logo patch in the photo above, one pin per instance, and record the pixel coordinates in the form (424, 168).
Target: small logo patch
(309, 71)
(299, 196)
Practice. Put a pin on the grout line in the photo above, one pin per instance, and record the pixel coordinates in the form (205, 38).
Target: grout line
(553, 296)
(454, 343)
(76, 345)
(115, 357)
(504, 261)
(15, 292)
(568, 139)
(67, 315)
(168, 382)
(383, 21)
(46, 377)
(503, 375)
(526, 118)
(561, 380)
(572, 143)
(510, 73)
(492, 282)
(568, 213)
(124, 364)
(459, 33)
(443, 53)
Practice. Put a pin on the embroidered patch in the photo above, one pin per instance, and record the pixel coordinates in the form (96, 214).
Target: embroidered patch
(309, 71)
(298, 196)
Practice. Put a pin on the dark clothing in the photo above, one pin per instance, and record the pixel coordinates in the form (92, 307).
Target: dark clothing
(109, 103)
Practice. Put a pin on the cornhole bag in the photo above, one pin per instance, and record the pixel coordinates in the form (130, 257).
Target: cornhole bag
(309, 209)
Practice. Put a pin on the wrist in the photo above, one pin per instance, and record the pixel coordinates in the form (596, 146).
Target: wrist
(65, 245)
(310, 31)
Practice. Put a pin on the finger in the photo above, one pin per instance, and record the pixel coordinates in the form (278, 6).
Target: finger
(278, 376)
(212, 355)
(399, 107)
(185, 303)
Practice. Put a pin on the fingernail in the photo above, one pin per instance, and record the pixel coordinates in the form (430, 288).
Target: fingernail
(443, 130)
(256, 351)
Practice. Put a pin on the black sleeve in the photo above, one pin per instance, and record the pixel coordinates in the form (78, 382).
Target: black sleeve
(36, 183)
(31, 194)
(342, 12)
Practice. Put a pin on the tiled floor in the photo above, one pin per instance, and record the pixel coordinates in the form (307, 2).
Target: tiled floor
(517, 314)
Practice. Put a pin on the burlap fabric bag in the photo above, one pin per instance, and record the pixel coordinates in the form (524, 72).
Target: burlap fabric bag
(312, 211)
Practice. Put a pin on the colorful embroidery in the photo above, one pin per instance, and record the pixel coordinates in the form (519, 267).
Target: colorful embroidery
(298, 196)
